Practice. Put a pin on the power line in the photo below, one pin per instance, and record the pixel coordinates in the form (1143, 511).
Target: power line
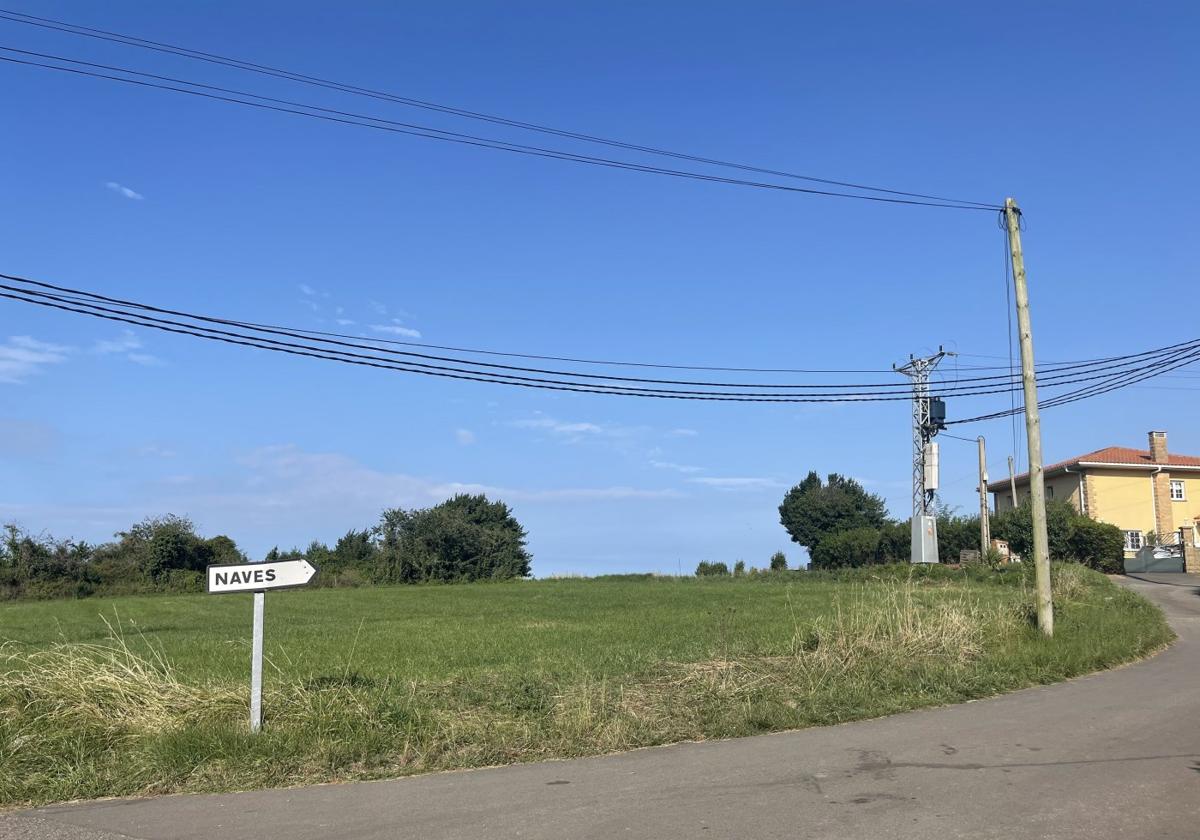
(985, 385)
(466, 372)
(201, 332)
(212, 58)
(380, 124)
(451, 373)
(1047, 368)
(1127, 379)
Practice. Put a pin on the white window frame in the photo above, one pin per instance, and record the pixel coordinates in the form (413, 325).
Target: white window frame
(1177, 484)
(1134, 540)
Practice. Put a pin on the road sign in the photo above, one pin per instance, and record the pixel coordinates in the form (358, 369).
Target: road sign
(259, 577)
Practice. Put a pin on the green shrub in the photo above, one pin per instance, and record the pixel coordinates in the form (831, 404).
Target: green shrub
(1099, 545)
(1016, 527)
(778, 562)
(856, 547)
(956, 534)
(707, 569)
(1072, 536)
(895, 542)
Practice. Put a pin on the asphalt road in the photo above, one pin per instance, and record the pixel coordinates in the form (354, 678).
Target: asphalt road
(1114, 755)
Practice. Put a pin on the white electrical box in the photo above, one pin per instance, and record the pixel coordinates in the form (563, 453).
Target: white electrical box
(931, 466)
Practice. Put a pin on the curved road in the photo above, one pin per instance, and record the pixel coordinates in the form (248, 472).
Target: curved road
(1114, 755)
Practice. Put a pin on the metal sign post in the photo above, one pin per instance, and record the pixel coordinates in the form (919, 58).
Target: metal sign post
(258, 578)
(256, 646)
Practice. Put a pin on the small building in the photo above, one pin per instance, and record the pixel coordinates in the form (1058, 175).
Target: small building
(1141, 491)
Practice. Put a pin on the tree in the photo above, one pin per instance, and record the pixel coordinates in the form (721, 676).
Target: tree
(855, 547)
(811, 511)
(778, 562)
(739, 568)
(707, 569)
(464, 538)
(354, 551)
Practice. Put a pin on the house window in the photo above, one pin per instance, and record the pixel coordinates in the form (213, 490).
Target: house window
(1049, 492)
(1133, 540)
(1177, 490)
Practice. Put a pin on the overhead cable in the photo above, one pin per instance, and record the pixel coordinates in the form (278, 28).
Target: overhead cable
(288, 75)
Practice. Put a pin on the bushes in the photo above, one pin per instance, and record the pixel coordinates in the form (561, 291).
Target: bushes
(162, 554)
(1098, 545)
(706, 569)
(465, 538)
(855, 547)
(956, 534)
(1072, 536)
(778, 562)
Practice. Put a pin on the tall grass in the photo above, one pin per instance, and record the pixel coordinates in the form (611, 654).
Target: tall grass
(114, 716)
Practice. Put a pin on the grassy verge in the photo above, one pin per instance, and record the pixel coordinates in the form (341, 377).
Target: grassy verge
(387, 682)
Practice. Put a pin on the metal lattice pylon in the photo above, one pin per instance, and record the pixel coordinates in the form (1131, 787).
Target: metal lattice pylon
(918, 371)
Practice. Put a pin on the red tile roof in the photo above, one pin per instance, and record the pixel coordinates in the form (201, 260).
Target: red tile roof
(1121, 455)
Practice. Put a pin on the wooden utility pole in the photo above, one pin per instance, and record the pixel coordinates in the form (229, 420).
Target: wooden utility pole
(1012, 481)
(985, 527)
(1033, 424)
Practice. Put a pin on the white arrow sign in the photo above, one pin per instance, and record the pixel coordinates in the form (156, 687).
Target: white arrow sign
(257, 577)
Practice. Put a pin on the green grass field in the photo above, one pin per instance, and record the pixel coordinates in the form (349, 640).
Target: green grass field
(148, 694)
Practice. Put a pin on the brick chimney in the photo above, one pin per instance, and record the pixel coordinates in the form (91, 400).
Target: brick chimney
(1158, 447)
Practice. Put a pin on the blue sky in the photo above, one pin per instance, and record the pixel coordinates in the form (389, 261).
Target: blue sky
(1086, 113)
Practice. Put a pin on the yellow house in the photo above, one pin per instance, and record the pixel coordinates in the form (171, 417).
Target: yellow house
(1141, 491)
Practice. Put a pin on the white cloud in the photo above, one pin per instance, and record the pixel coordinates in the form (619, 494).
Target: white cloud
(683, 468)
(394, 329)
(125, 345)
(21, 356)
(126, 342)
(737, 483)
(684, 432)
(307, 289)
(560, 427)
(282, 495)
(572, 493)
(344, 322)
(627, 440)
(154, 450)
(279, 481)
(122, 190)
(465, 437)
